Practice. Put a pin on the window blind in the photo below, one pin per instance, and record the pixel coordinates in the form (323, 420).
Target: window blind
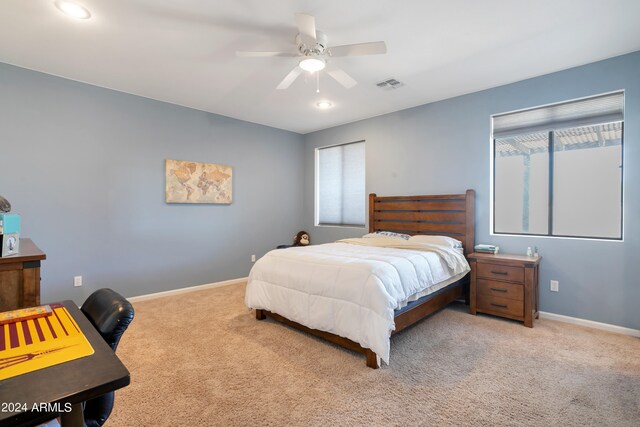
(341, 185)
(589, 111)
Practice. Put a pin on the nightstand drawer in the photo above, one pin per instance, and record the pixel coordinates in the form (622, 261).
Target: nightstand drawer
(500, 289)
(500, 305)
(501, 272)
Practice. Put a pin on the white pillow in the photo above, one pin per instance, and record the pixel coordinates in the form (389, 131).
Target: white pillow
(436, 240)
(388, 234)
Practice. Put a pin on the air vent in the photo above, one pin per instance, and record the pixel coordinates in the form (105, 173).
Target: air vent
(389, 84)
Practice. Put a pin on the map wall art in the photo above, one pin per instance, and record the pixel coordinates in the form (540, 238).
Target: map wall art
(194, 182)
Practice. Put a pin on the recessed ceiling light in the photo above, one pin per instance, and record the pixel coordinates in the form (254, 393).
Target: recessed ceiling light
(73, 9)
(312, 64)
(323, 105)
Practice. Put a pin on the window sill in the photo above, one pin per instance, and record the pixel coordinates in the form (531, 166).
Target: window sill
(341, 226)
(536, 236)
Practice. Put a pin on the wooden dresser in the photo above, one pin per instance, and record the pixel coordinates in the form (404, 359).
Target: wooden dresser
(504, 285)
(20, 277)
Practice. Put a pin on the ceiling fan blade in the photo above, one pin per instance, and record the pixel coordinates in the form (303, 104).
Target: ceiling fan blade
(371, 48)
(290, 78)
(307, 28)
(343, 78)
(263, 54)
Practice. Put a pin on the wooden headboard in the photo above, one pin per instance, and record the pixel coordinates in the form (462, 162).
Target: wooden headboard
(449, 215)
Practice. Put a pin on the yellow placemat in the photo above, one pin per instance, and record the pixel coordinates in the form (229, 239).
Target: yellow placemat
(34, 344)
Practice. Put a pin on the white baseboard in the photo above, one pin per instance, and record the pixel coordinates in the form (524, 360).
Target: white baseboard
(185, 290)
(590, 324)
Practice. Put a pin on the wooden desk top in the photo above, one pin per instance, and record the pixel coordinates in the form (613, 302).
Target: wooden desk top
(28, 252)
(73, 382)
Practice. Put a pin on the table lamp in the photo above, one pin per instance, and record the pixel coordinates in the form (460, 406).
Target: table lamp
(5, 206)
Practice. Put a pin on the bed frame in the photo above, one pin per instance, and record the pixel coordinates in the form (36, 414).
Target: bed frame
(450, 215)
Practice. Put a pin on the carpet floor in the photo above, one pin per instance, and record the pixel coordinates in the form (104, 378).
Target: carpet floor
(201, 358)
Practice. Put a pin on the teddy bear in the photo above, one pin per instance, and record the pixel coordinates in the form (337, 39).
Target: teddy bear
(301, 239)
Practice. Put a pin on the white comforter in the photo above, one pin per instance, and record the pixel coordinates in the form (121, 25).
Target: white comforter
(352, 287)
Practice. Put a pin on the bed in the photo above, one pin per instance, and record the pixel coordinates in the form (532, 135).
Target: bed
(358, 292)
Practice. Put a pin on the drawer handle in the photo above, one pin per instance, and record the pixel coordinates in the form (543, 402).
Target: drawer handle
(502, 273)
(499, 305)
(498, 290)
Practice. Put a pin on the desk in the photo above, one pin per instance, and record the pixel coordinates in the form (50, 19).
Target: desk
(72, 382)
(20, 277)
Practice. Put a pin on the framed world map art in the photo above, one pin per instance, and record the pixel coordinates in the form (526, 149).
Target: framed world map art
(193, 182)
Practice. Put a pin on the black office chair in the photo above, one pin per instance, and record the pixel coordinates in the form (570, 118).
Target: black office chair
(111, 315)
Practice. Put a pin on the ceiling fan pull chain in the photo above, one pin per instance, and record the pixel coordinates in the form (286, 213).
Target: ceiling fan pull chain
(317, 82)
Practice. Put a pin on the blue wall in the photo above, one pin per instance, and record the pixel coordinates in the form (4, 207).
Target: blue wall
(84, 166)
(443, 148)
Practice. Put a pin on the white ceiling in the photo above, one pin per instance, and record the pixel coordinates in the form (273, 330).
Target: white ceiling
(183, 51)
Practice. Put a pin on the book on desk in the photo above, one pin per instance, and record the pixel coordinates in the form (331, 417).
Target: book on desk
(486, 249)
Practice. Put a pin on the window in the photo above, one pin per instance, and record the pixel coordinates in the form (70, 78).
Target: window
(557, 170)
(340, 182)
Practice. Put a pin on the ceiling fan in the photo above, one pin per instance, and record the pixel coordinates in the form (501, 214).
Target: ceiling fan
(313, 53)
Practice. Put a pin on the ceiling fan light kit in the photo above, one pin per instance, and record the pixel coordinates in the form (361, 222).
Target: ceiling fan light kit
(313, 52)
(312, 64)
(72, 9)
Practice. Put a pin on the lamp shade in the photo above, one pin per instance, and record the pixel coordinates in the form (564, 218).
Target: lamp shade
(5, 206)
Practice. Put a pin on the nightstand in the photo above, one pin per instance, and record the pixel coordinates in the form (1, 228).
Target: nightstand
(504, 285)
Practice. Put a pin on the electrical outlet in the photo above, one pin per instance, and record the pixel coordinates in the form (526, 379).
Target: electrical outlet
(253, 258)
(555, 286)
(77, 281)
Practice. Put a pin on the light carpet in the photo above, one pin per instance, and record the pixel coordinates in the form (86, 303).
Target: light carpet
(202, 358)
